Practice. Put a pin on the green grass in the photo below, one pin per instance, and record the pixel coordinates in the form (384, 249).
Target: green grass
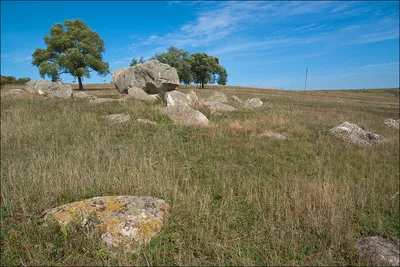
(236, 199)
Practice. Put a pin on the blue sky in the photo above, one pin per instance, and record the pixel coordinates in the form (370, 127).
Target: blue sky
(344, 44)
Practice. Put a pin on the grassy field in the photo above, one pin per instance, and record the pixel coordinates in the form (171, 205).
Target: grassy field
(236, 198)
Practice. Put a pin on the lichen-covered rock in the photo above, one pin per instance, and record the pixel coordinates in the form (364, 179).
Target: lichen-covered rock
(153, 77)
(141, 94)
(218, 97)
(63, 92)
(378, 251)
(392, 123)
(13, 93)
(118, 118)
(125, 223)
(177, 98)
(353, 133)
(145, 121)
(185, 115)
(252, 103)
(50, 89)
(273, 135)
(217, 107)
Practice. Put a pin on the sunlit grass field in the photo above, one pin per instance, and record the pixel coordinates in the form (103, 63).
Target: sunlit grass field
(236, 198)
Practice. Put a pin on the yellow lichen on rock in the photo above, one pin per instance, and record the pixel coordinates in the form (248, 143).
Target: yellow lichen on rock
(122, 221)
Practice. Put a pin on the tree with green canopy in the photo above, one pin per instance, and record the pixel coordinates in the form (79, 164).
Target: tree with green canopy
(74, 49)
(177, 58)
(206, 69)
(135, 61)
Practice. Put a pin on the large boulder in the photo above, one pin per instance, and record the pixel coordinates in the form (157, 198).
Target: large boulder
(218, 97)
(353, 133)
(125, 223)
(185, 115)
(153, 77)
(50, 89)
(378, 251)
(252, 103)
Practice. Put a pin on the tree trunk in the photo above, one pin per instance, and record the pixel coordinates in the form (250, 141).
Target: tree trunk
(80, 83)
(202, 85)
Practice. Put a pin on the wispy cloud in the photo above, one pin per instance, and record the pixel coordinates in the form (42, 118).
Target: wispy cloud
(380, 65)
(121, 61)
(16, 57)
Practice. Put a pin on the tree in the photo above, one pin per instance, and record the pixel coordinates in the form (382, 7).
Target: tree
(222, 76)
(13, 80)
(134, 62)
(205, 69)
(74, 49)
(177, 58)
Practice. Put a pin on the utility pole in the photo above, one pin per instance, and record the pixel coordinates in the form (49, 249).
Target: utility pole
(305, 84)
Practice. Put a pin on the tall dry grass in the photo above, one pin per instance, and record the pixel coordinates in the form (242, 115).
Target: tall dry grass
(236, 198)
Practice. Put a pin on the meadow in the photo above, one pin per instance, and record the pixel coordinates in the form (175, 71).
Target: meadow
(236, 198)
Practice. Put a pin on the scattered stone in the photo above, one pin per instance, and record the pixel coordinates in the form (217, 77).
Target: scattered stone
(80, 95)
(125, 223)
(102, 100)
(273, 135)
(392, 123)
(146, 121)
(118, 118)
(378, 251)
(218, 97)
(185, 115)
(177, 98)
(235, 126)
(252, 103)
(141, 94)
(217, 107)
(153, 77)
(352, 133)
(236, 99)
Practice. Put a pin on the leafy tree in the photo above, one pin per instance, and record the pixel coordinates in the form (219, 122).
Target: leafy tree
(13, 80)
(73, 49)
(23, 80)
(222, 76)
(135, 61)
(205, 69)
(177, 58)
